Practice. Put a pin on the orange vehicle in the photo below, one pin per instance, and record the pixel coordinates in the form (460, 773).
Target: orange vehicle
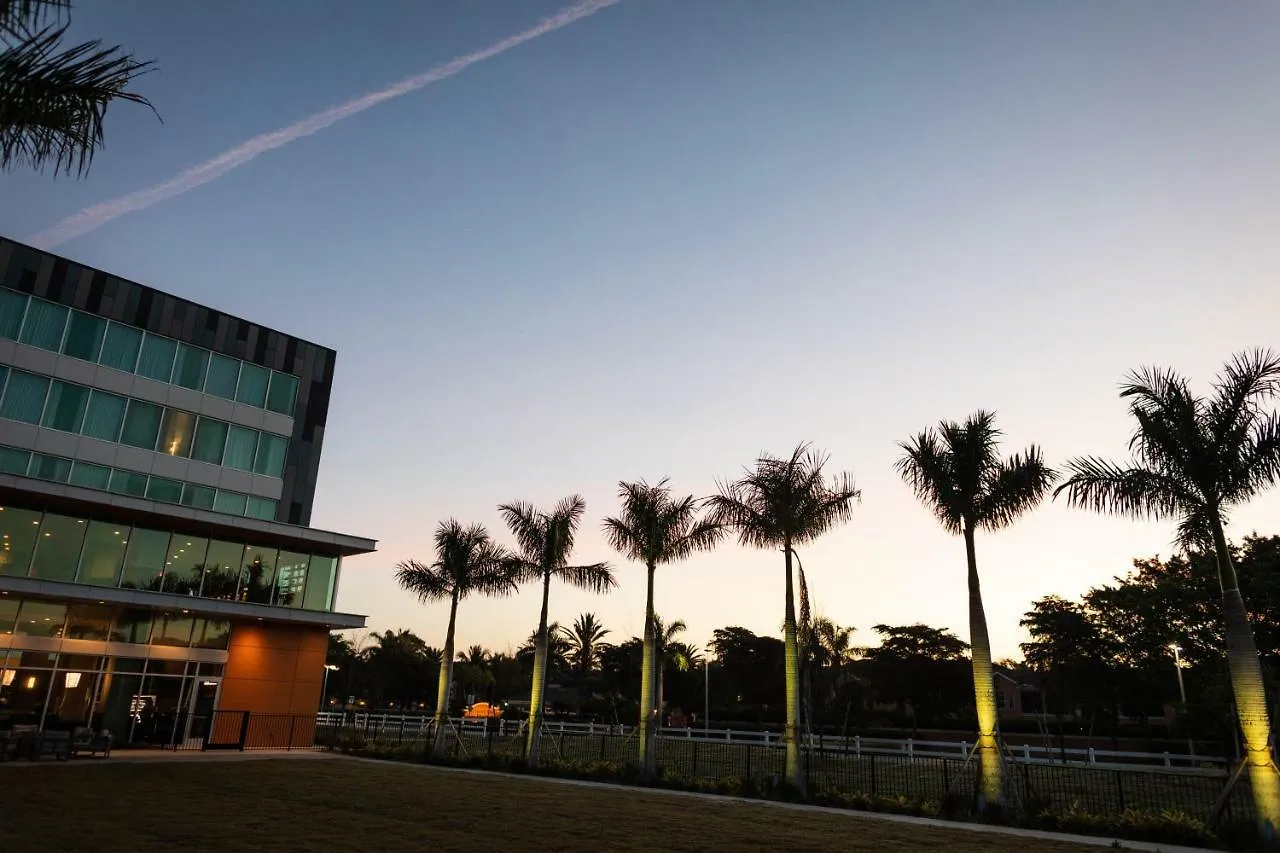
(481, 711)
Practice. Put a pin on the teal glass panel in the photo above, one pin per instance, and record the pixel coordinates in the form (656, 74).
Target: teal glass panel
(14, 461)
(242, 442)
(156, 359)
(321, 576)
(90, 476)
(65, 407)
(105, 544)
(253, 385)
(270, 457)
(104, 416)
(141, 425)
(53, 468)
(145, 559)
(12, 307)
(222, 569)
(128, 483)
(84, 336)
(222, 376)
(133, 625)
(258, 578)
(24, 395)
(184, 566)
(41, 618)
(168, 491)
(19, 529)
(176, 428)
(263, 508)
(291, 578)
(44, 325)
(199, 497)
(120, 347)
(282, 393)
(210, 441)
(189, 369)
(232, 503)
(58, 548)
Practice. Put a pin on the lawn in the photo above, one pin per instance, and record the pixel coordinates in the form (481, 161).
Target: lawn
(293, 806)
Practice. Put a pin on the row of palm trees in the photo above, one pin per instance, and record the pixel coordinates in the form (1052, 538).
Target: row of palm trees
(1193, 458)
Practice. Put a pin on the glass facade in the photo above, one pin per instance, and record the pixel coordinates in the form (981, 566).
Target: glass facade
(53, 327)
(74, 408)
(57, 547)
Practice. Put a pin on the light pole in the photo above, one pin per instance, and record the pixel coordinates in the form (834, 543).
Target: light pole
(706, 709)
(1182, 691)
(324, 687)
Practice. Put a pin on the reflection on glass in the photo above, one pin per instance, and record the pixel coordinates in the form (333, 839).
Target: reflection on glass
(176, 428)
(89, 622)
(144, 561)
(8, 614)
(211, 634)
(120, 349)
(291, 577)
(64, 410)
(90, 476)
(200, 497)
(222, 569)
(189, 370)
(104, 416)
(24, 696)
(184, 565)
(259, 574)
(133, 625)
(70, 698)
(41, 619)
(53, 468)
(58, 548)
(172, 629)
(321, 575)
(104, 550)
(84, 336)
(156, 361)
(211, 438)
(253, 385)
(141, 425)
(18, 531)
(280, 397)
(221, 381)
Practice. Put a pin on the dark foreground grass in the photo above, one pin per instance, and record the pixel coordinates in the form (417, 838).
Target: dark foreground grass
(319, 806)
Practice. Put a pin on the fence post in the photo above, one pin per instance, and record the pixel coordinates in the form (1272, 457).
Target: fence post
(857, 745)
(292, 722)
(1092, 758)
(591, 727)
(401, 741)
(244, 730)
(728, 735)
(602, 743)
(964, 749)
(1120, 787)
(695, 759)
(873, 774)
(748, 748)
(1167, 762)
(1026, 753)
(911, 748)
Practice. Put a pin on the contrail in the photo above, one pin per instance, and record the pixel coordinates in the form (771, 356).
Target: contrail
(94, 217)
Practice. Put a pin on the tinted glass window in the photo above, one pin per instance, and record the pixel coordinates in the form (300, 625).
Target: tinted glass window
(90, 476)
(141, 425)
(18, 531)
(12, 307)
(156, 360)
(84, 336)
(65, 407)
(44, 324)
(184, 566)
(253, 385)
(104, 416)
(104, 549)
(24, 395)
(211, 439)
(58, 548)
(144, 560)
(120, 347)
(176, 428)
(190, 367)
(282, 393)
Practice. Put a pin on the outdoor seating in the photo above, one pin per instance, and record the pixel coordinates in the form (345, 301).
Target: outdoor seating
(85, 741)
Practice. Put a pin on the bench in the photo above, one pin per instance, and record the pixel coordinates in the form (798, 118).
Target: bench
(84, 741)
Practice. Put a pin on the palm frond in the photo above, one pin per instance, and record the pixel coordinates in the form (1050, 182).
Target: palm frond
(1137, 492)
(927, 469)
(428, 582)
(1013, 487)
(596, 577)
(523, 520)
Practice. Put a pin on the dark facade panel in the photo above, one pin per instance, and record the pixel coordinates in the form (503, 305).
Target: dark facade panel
(38, 273)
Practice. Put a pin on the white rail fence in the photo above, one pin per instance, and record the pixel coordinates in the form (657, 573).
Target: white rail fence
(412, 726)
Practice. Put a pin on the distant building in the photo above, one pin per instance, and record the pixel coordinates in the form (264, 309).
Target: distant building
(158, 462)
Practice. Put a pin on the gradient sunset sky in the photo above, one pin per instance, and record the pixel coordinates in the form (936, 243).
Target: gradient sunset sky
(676, 233)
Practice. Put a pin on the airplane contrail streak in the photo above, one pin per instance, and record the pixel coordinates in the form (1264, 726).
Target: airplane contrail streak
(95, 216)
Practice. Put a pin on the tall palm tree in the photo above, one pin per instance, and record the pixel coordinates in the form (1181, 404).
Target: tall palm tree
(1194, 459)
(667, 649)
(586, 642)
(782, 503)
(467, 561)
(957, 471)
(54, 98)
(545, 541)
(655, 529)
(557, 649)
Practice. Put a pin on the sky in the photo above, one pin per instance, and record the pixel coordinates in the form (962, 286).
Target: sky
(673, 234)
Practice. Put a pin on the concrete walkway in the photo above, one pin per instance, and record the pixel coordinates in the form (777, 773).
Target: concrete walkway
(177, 756)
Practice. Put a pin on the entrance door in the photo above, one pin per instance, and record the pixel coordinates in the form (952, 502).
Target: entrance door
(204, 697)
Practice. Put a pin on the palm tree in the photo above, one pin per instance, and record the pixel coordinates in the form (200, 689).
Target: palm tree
(545, 541)
(956, 470)
(586, 642)
(654, 528)
(54, 99)
(467, 561)
(1194, 459)
(783, 503)
(668, 650)
(557, 649)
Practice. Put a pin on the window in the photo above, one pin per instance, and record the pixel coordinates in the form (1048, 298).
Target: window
(133, 625)
(58, 548)
(8, 617)
(241, 444)
(270, 456)
(222, 569)
(291, 577)
(18, 531)
(90, 476)
(168, 491)
(211, 439)
(104, 416)
(200, 497)
(232, 503)
(211, 634)
(120, 347)
(282, 393)
(173, 629)
(84, 336)
(86, 622)
(65, 407)
(189, 369)
(53, 468)
(156, 360)
(24, 397)
(12, 307)
(253, 385)
(261, 508)
(141, 425)
(223, 373)
(44, 324)
(321, 576)
(144, 561)
(14, 461)
(41, 619)
(103, 557)
(258, 577)
(128, 483)
(184, 566)
(176, 427)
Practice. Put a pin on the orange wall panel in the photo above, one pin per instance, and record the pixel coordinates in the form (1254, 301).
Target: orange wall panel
(274, 669)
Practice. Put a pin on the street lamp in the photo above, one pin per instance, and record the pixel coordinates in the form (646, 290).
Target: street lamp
(324, 687)
(1182, 691)
(706, 710)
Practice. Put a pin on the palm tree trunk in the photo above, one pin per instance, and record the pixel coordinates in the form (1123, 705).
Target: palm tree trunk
(446, 678)
(1250, 693)
(660, 667)
(792, 658)
(984, 692)
(647, 684)
(536, 694)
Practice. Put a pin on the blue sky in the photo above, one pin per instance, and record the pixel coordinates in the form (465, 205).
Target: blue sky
(674, 234)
